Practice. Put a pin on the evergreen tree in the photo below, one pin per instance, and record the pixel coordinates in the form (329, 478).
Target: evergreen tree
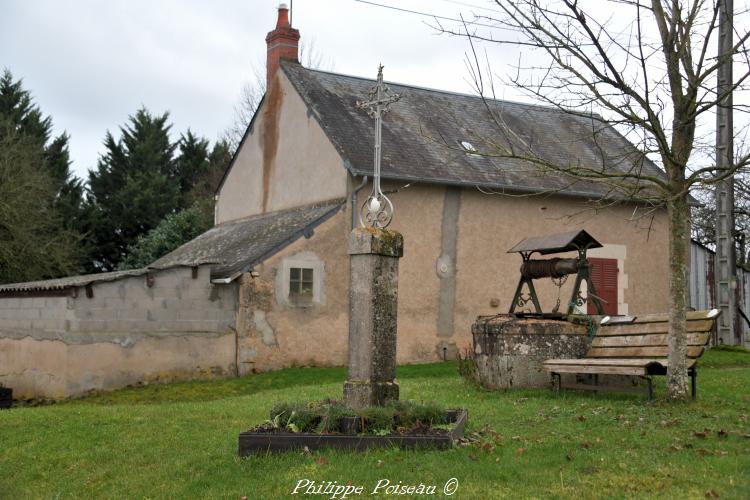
(191, 164)
(19, 115)
(41, 202)
(133, 187)
(34, 244)
(171, 232)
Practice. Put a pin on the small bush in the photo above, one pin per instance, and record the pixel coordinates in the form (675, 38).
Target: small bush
(467, 367)
(333, 417)
(330, 416)
(376, 419)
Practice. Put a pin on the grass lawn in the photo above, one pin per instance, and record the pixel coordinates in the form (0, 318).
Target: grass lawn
(180, 441)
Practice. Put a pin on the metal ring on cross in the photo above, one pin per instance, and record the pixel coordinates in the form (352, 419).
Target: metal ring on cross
(376, 211)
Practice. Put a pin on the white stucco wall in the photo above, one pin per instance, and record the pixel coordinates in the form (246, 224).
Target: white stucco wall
(286, 160)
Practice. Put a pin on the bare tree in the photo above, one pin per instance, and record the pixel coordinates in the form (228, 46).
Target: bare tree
(253, 90)
(648, 68)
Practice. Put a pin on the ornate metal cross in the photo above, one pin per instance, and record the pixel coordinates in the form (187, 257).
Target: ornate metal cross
(377, 210)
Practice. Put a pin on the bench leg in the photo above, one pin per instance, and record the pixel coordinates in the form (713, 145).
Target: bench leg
(650, 388)
(556, 386)
(693, 375)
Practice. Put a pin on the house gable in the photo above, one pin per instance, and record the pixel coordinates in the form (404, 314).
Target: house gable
(285, 160)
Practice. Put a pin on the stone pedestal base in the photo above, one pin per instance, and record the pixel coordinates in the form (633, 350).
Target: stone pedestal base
(363, 394)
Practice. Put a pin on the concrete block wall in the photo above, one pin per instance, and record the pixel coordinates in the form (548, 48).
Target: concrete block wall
(127, 332)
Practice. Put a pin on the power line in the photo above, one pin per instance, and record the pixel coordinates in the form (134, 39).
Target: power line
(426, 14)
(456, 2)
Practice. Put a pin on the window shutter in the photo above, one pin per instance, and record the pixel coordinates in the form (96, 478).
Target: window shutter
(604, 276)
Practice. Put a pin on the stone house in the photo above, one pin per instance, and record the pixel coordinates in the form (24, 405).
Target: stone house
(267, 287)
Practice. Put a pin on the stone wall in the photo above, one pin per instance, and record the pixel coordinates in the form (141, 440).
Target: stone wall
(169, 325)
(509, 352)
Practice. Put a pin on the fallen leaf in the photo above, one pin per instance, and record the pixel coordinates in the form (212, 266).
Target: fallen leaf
(704, 452)
(472, 457)
(675, 447)
(712, 494)
(581, 418)
(516, 438)
(701, 435)
(585, 445)
(722, 433)
(570, 456)
(519, 451)
(321, 460)
(380, 463)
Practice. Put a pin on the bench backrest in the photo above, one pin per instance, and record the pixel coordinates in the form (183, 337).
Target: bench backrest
(646, 336)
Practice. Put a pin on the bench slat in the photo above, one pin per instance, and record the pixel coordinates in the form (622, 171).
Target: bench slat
(654, 339)
(607, 362)
(604, 370)
(643, 352)
(614, 362)
(691, 315)
(646, 328)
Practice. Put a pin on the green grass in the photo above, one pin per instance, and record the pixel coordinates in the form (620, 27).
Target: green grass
(180, 440)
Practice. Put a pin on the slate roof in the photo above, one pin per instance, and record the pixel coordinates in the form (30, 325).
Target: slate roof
(235, 246)
(422, 134)
(69, 282)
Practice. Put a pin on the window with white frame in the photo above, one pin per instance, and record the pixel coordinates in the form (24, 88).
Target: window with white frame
(299, 280)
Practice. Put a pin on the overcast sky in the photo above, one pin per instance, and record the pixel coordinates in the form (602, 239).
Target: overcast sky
(91, 63)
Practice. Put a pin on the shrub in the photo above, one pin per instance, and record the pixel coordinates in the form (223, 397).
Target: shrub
(410, 414)
(467, 367)
(376, 419)
(333, 417)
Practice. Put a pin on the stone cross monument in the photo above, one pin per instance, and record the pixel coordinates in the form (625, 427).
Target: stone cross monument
(373, 290)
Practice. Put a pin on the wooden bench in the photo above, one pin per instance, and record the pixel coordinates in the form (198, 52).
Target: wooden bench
(635, 346)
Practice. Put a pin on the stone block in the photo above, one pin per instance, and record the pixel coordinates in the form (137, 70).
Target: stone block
(53, 313)
(28, 313)
(48, 325)
(371, 241)
(92, 325)
(359, 395)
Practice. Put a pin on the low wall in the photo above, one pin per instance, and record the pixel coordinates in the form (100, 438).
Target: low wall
(172, 325)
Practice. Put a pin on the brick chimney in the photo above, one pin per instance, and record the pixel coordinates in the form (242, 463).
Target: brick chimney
(282, 44)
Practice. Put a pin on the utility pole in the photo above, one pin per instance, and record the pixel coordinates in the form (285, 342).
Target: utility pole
(726, 263)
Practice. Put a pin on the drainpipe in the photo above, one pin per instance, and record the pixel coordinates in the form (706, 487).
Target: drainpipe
(355, 218)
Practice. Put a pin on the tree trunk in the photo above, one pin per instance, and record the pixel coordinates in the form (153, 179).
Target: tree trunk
(679, 248)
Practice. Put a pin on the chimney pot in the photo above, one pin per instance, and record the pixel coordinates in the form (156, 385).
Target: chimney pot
(282, 43)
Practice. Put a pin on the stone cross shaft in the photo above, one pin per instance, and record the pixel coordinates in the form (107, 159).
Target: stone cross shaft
(373, 300)
(377, 210)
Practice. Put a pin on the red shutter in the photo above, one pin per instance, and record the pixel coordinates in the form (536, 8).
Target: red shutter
(604, 277)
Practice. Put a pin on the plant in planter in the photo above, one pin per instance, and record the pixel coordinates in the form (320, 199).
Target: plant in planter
(329, 423)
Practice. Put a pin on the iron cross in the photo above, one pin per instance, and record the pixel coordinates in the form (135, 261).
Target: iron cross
(377, 210)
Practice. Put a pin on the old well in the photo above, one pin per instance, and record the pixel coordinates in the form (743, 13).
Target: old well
(509, 349)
